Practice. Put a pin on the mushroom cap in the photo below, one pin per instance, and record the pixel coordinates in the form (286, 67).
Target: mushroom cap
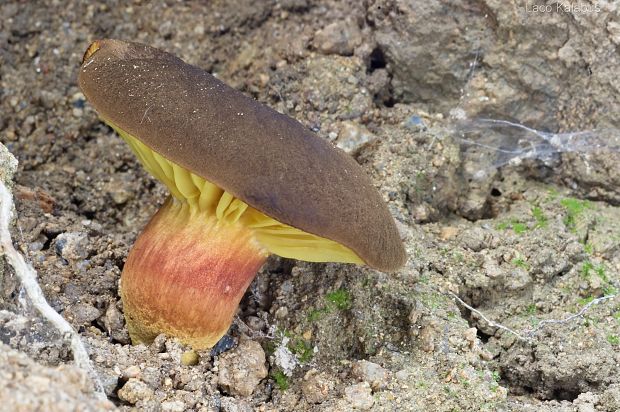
(268, 160)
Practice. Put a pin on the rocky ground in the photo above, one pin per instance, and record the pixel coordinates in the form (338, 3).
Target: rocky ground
(505, 245)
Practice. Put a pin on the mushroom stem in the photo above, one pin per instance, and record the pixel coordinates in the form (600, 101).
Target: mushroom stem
(186, 274)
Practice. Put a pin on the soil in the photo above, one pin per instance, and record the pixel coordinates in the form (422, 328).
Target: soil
(480, 316)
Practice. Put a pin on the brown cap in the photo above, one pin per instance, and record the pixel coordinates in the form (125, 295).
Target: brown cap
(266, 159)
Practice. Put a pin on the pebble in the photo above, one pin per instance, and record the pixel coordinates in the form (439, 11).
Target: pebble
(448, 232)
(255, 323)
(72, 245)
(338, 38)
(225, 344)
(370, 372)
(470, 335)
(173, 406)
(359, 396)
(82, 313)
(242, 369)
(282, 312)
(427, 338)
(402, 375)
(190, 358)
(131, 372)
(135, 390)
(114, 324)
(474, 239)
(234, 405)
(159, 344)
(353, 137)
(316, 386)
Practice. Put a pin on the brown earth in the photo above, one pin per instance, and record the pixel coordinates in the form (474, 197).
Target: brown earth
(524, 243)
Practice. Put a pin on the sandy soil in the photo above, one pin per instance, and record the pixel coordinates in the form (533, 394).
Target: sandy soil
(525, 246)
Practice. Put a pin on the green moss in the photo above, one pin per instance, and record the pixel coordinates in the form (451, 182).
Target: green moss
(541, 219)
(531, 309)
(613, 339)
(316, 314)
(496, 376)
(519, 228)
(340, 298)
(601, 273)
(280, 379)
(574, 208)
(515, 225)
(302, 349)
(521, 263)
(502, 226)
(586, 269)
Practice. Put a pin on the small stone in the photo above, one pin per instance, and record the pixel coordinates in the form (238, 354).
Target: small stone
(242, 369)
(402, 375)
(225, 344)
(421, 213)
(338, 38)
(82, 314)
(359, 396)
(119, 194)
(474, 239)
(72, 246)
(190, 358)
(316, 386)
(199, 30)
(282, 312)
(353, 137)
(114, 323)
(255, 323)
(370, 372)
(135, 390)
(470, 335)
(448, 232)
(427, 338)
(131, 372)
(173, 406)
(263, 79)
(234, 405)
(159, 344)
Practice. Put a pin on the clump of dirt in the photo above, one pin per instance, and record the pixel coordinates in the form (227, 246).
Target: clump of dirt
(515, 248)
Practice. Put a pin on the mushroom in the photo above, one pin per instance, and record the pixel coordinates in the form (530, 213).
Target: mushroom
(245, 182)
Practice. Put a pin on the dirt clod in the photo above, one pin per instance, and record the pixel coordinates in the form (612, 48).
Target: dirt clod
(242, 369)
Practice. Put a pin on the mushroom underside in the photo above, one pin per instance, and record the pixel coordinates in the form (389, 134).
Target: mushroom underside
(209, 200)
(191, 265)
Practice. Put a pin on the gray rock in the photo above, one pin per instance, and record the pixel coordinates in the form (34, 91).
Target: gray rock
(338, 38)
(353, 137)
(115, 324)
(359, 396)
(82, 314)
(242, 369)
(474, 239)
(316, 386)
(8, 166)
(72, 246)
(234, 405)
(375, 375)
(173, 406)
(28, 386)
(134, 391)
(429, 49)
